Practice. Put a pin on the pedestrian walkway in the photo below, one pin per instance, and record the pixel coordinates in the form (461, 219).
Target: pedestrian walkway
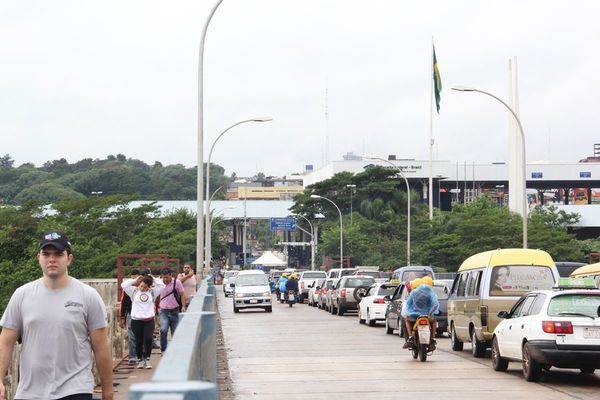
(124, 376)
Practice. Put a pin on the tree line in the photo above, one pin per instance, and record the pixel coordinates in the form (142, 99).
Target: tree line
(378, 233)
(100, 228)
(59, 180)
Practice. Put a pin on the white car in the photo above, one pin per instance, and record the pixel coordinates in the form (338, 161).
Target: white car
(372, 307)
(252, 290)
(314, 289)
(550, 328)
(228, 280)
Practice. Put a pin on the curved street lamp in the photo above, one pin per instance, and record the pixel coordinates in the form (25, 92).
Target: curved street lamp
(369, 157)
(523, 161)
(207, 210)
(312, 240)
(209, 237)
(316, 196)
(200, 268)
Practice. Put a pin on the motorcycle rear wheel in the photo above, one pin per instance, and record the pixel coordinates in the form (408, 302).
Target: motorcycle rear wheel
(422, 352)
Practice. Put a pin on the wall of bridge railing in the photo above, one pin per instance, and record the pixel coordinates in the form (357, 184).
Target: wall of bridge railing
(188, 369)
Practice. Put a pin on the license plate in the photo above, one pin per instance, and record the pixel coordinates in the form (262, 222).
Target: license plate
(424, 333)
(591, 333)
(254, 301)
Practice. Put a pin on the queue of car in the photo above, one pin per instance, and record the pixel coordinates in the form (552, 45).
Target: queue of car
(512, 302)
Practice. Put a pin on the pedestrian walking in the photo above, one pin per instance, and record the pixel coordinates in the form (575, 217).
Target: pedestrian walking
(61, 321)
(143, 291)
(125, 313)
(172, 301)
(188, 280)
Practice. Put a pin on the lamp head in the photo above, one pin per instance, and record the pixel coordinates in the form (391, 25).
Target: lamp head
(351, 186)
(262, 119)
(315, 196)
(460, 88)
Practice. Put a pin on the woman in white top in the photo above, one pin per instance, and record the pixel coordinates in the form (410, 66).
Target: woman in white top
(143, 291)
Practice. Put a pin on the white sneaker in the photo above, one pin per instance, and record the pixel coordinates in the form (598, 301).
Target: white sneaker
(141, 364)
(148, 365)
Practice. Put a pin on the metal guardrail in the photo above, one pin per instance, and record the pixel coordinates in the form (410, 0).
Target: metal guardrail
(188, 369)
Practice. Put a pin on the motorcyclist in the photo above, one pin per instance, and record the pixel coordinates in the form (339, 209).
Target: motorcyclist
(421, 301)
(292, 285)
(282, 283)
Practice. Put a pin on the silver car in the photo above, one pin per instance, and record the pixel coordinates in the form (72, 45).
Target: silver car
(348, 292)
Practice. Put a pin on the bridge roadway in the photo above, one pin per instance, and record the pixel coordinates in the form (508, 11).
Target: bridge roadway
(306, 353)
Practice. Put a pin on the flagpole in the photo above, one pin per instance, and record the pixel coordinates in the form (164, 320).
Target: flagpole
(431, 79)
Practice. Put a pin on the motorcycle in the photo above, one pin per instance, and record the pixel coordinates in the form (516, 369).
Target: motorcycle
(291, 297)
(421, 344)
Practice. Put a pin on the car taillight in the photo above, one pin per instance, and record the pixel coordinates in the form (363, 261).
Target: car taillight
(423, 322)
(483, 310)
(343, 293)
(379, 301)
(557, 327)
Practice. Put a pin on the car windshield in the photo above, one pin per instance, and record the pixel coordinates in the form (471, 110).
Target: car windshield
(358, 282)
(372, 274)
(229, 274)
(385, 290)
(576, 303)
(346, 272)
(313, 275)
(251, 280)
(516, 280)
(410, 275)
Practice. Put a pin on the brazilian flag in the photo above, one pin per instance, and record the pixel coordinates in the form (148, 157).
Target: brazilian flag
(437, 82)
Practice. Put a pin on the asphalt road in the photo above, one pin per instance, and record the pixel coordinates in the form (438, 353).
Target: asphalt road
(305, 353)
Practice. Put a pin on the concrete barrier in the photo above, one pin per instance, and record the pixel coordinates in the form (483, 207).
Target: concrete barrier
(188, 369)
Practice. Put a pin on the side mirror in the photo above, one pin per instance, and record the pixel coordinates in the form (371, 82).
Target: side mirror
(504, 314)
(387, 298)
(318, 287)
(232, 284)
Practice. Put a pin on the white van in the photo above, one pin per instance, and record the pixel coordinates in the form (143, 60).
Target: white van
(490, 282)
(251, 290)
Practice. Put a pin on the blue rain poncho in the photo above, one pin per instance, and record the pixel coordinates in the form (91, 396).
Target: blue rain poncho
(282, 282)
(421, 301)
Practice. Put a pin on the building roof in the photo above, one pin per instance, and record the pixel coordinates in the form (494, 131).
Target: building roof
(255, 209)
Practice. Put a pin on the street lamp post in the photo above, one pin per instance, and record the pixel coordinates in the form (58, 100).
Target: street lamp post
(352, 188)
(207, 211)
(315, 196)
(407, 201)
(312, 241)
(524, 158)
(207, 235)
(200, 148)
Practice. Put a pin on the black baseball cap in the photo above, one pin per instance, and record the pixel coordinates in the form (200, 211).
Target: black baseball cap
(56, 239)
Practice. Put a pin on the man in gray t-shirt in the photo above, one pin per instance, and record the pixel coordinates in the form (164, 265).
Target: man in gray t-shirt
(61, 321)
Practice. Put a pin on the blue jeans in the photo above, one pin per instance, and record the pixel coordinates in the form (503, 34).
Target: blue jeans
(168, 319)
(131, 341)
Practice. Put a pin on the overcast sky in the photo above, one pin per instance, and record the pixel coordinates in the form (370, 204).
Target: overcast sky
(85, 79)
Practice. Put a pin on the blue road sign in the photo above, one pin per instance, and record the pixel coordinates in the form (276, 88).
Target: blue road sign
(537, 175)
(585, 174)
(283, 224)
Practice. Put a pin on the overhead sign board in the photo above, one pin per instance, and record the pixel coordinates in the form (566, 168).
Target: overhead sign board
(283, 224)
(537, 175)
(585, 174)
